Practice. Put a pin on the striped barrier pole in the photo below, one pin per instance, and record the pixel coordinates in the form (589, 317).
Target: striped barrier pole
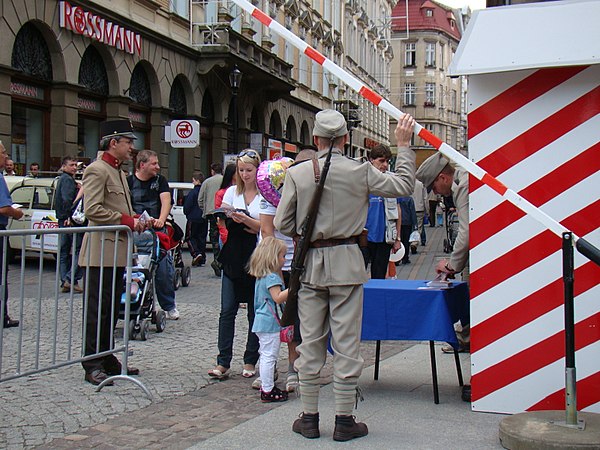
(582, 245)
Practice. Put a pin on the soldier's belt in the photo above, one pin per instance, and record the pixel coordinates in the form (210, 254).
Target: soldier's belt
(323, 243)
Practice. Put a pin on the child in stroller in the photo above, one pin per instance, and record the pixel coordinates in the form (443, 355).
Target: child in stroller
(143, 305)
(183, 273)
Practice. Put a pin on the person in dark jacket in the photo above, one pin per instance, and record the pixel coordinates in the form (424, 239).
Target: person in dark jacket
(66, 195)
(197, 226)
(409, 223)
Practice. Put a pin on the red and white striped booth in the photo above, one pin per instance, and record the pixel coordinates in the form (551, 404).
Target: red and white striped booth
(534, 123)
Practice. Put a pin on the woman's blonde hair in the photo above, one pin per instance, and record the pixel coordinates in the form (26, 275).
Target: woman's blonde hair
(265, 258)
(247, 156)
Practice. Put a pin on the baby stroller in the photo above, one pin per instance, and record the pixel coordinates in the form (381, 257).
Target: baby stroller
(183, 273)
(451, 229)
(143, 307)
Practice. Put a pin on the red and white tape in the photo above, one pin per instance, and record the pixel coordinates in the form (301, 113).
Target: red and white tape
(423, 133)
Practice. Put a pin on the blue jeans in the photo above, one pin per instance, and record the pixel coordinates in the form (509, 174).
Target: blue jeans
(232, 294)
(164, 278)
(66, 242)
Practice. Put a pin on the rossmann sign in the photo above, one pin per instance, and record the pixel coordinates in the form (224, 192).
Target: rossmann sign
(88, 24)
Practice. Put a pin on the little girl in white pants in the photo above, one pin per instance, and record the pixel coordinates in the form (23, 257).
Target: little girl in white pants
(265, 264)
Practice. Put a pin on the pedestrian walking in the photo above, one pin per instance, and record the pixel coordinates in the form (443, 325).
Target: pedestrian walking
(197, 224)
(6, 210)
(206, 202)
(66, 196)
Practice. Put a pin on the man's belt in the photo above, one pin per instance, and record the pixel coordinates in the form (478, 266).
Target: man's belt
(322, 243)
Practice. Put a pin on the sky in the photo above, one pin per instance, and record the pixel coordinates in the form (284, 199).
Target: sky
(474, 4)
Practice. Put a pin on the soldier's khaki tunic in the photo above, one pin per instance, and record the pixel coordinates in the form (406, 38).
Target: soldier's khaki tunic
(331, 295)
(460, 251)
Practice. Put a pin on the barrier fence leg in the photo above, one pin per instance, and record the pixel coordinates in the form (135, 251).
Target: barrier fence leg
(570, 373)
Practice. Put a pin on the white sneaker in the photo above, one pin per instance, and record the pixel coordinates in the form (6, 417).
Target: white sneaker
(257, 384)
(173, 314)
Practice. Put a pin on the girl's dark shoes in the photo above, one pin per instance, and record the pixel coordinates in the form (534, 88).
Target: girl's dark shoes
(276, 395)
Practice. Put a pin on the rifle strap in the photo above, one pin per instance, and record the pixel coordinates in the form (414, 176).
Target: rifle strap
(316, 170)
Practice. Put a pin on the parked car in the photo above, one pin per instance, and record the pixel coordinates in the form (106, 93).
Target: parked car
(36, 199)
(178, 193)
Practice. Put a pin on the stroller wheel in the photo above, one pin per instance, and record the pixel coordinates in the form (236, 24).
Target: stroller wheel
(132, 331)
(186, 276)
(145, 329)
(177, 279)
(161, 321)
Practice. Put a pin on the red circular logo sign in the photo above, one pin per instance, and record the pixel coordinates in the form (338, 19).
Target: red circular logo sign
(79, 19)
(184, 129)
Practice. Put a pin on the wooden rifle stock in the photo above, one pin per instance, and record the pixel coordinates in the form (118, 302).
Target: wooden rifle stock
(290, 312)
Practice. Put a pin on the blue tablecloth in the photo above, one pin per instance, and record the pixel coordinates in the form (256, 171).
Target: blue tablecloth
(399, 310)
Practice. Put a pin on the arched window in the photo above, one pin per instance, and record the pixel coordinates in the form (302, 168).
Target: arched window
(139, 112)
(30, 100)
(30, 53)
(91, 103)
(177, 101)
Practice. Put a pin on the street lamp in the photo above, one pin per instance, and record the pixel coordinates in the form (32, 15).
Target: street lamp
(235, 79)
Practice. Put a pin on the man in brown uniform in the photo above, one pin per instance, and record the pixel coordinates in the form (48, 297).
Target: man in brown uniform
(107, 202)
(331, 295)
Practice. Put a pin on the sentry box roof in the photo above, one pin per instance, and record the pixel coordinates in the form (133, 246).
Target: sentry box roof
(530, 36)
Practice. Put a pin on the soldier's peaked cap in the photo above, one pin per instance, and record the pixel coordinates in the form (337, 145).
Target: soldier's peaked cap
(430, 169)
(330, 124)
(116, 128)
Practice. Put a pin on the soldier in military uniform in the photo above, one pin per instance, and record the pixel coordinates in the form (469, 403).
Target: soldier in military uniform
(330, 298)
(439, 176)
(107, 202)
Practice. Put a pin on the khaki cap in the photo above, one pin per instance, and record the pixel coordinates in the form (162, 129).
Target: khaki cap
(330, 124)
(430, 169)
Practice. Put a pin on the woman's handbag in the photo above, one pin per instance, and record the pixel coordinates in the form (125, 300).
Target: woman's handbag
(78, 214)
(415, 237)
(286, 334)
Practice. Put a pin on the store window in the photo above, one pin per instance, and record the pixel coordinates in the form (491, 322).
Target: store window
(139, 112)
(181, 161)
(30, 104)
(91, 103)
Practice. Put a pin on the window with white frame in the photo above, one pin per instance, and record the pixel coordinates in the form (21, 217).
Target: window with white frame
(409, 93)
(442, 51)
(303, 70)
(410, 54)
(430, 54)
(429, 94)
(441, 95)
(314, 79)
(181, 7)
(453, 100)
(431, 128)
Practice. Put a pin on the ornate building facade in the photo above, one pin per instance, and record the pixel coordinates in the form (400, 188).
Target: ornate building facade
(67, 65)
(425, 35)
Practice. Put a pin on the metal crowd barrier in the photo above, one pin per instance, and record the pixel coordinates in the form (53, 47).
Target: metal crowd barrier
(52, 329)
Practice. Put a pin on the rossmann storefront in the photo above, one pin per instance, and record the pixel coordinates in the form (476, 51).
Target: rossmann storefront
(67, 66)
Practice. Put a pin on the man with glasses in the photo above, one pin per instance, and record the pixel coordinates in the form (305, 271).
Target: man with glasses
(6, 211)
(439, 176)
(107, 202)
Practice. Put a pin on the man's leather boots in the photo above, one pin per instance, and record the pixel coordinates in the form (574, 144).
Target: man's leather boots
(307, 425)
(346, 428)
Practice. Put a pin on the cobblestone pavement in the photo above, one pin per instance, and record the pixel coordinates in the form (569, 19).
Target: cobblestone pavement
(57, 409)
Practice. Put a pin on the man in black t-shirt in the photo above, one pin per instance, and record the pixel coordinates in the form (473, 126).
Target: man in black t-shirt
(150, 193)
